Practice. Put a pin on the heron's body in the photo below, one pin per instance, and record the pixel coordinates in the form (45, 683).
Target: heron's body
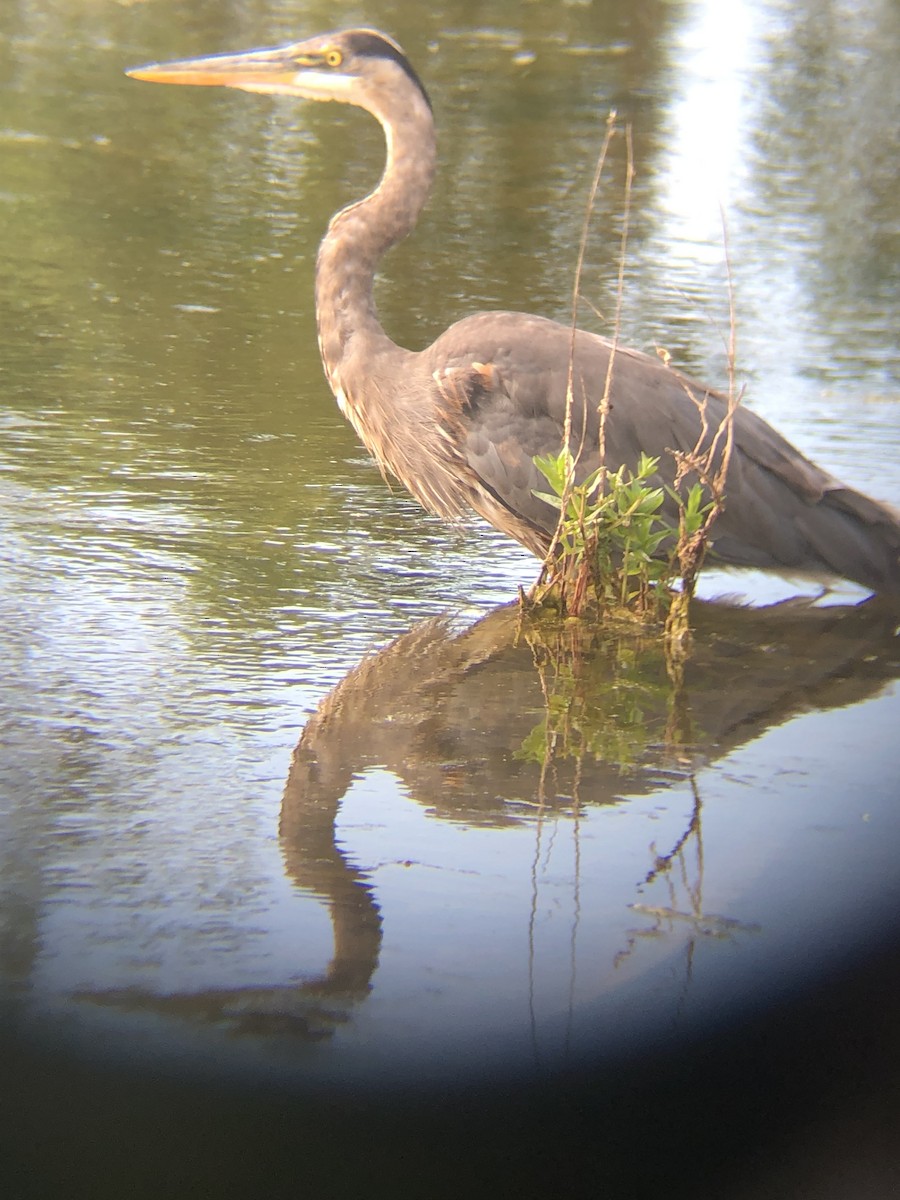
(459, 423)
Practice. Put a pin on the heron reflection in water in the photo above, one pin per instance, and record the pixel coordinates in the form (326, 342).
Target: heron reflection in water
(451, 714)
(460, 423)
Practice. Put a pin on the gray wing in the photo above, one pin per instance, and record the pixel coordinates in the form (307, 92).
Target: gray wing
(510, 372)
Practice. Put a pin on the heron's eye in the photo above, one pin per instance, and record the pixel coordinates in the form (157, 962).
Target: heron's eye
(333, 58)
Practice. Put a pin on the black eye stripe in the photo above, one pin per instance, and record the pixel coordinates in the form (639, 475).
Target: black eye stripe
(372, 46)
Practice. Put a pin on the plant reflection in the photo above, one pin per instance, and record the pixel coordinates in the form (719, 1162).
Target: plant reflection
(680, 873)
(498, 725)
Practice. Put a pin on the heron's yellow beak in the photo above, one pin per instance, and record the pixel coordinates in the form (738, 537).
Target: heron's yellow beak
(295, 70)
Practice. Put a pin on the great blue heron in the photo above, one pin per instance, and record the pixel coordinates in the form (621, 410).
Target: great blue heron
(460, 422)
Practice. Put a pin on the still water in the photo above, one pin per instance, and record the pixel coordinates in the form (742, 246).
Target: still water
(201, 568)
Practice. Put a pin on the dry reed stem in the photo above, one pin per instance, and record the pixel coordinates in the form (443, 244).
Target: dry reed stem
(691, 551)
(603, 408)
(574, 602)
(608, 136)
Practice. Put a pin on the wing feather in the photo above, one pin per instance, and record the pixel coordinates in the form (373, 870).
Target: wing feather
(511, 371)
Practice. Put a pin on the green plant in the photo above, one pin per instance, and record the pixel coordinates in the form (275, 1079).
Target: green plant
(613, 553)
(611, 538)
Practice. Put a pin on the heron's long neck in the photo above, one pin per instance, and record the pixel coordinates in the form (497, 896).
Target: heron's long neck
(349, 330)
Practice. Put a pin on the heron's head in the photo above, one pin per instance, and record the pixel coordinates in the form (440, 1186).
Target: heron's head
(358, 66)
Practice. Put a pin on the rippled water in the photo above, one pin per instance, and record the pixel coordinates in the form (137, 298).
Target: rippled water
(195, 552)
